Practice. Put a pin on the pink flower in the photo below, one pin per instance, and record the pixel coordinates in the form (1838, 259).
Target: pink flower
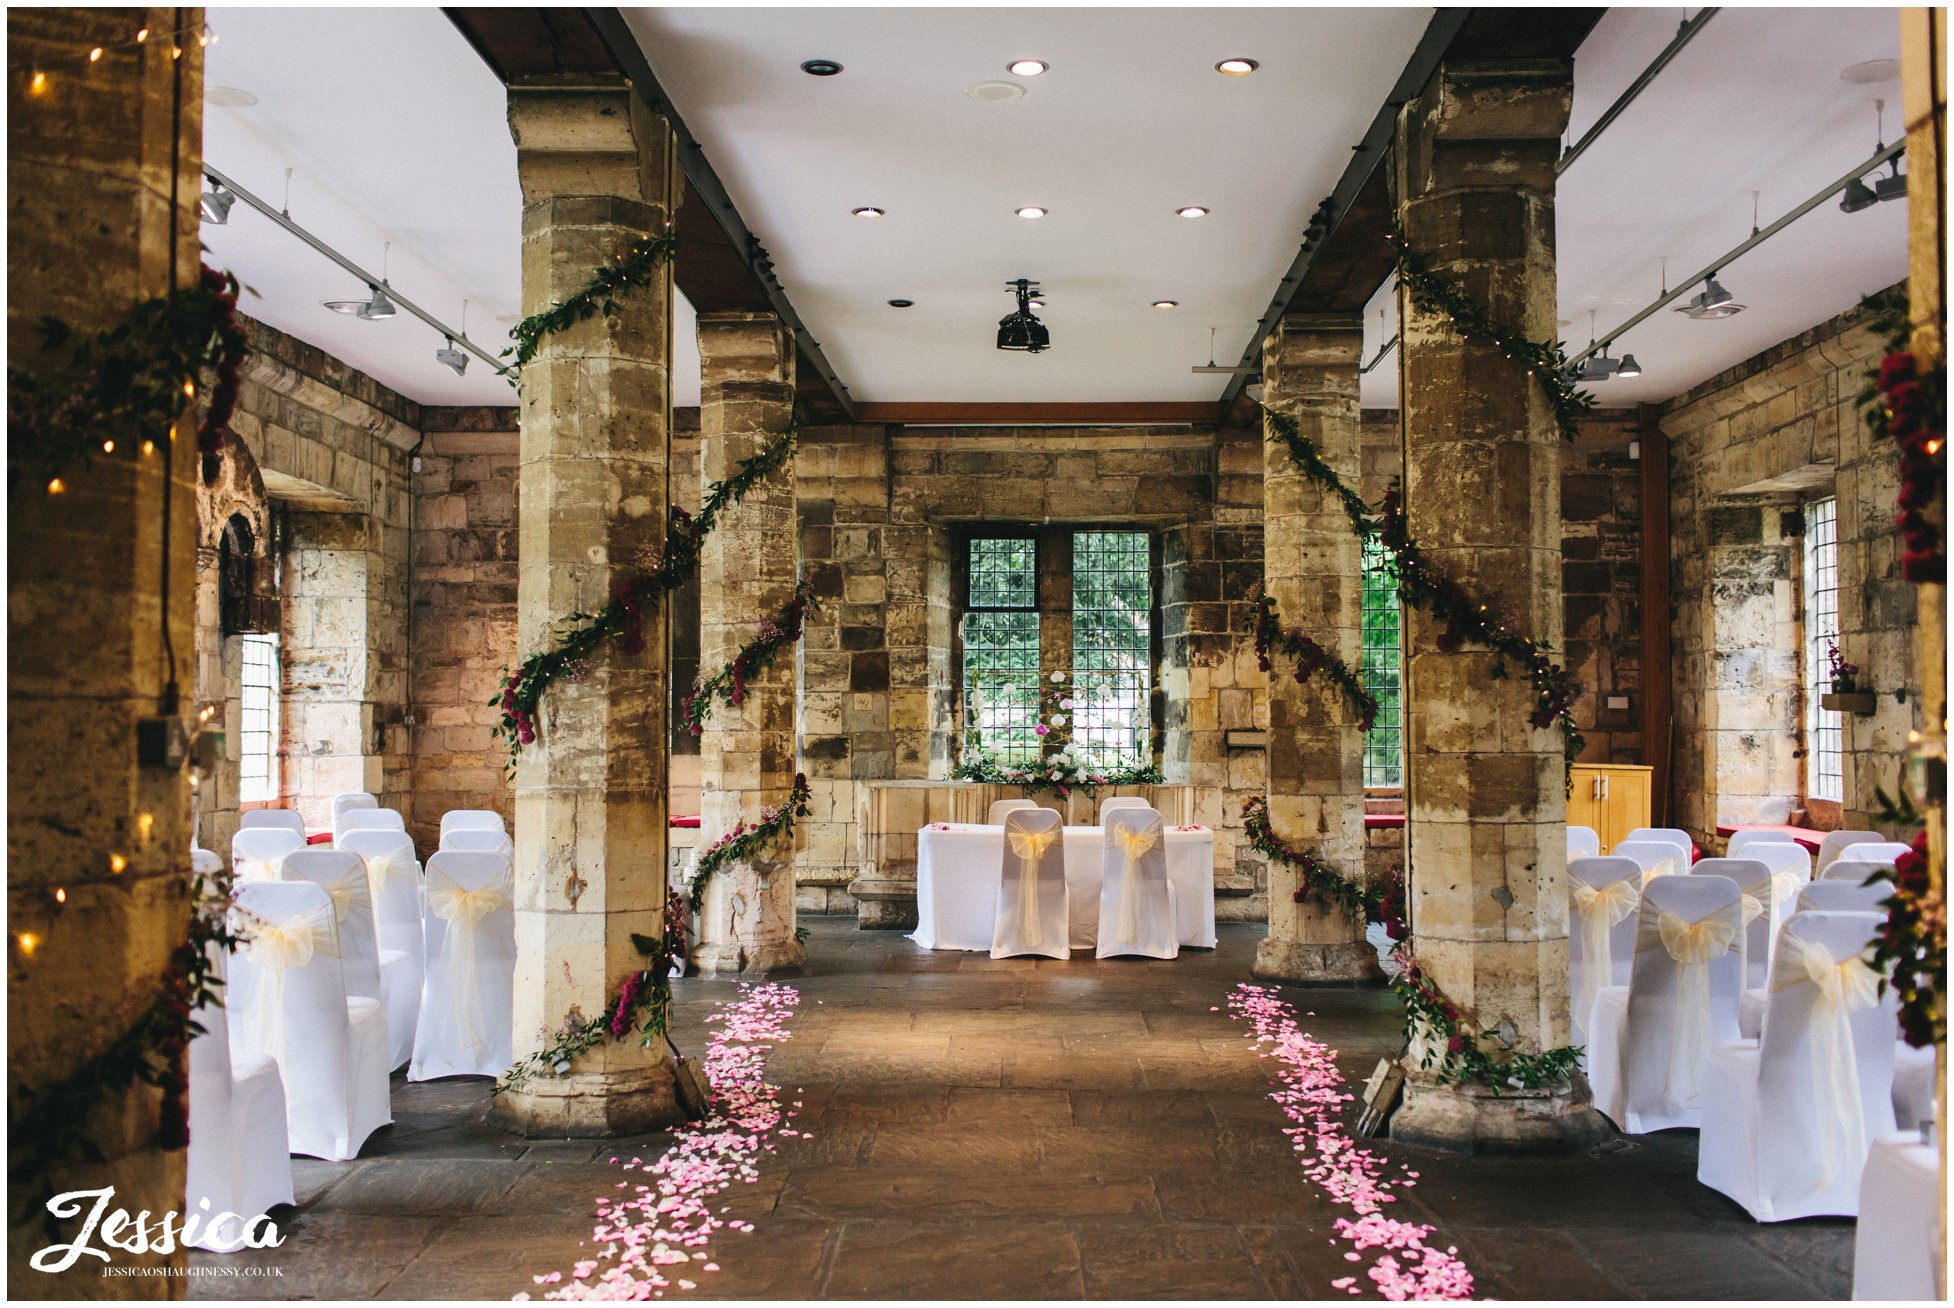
(1041, 729)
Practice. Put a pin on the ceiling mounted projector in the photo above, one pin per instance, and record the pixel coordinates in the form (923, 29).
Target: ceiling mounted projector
(1022, 330)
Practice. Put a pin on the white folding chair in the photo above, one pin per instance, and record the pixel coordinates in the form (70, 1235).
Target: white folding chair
(1034, 908)
(240, 1161)
(473, 840)
(1136, 900)
(1000, 807)
(1650, 1039)
(1603, 895)
(1766, 900)
(472, 819)
(369, 819)
(257, 818)
(1842, 895)
(1583, 842)
(1656, 858)
(1836, 841)
(1780, 856)
(257, 852)
(467, 1003)
(1118, 802)
(395, 876)
(343, 804)
(1859, 861)
(289, 997)
(1674, 835)
(1786, 1119)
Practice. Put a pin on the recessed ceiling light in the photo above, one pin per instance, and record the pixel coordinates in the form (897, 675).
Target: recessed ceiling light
(1236, 67)
(867, 211)
(1032, 211)
(1871, 71)
(1166, 304)
(820, 68)
(229, 97)
(1192, 211)
(1026, 67)
(902, 304)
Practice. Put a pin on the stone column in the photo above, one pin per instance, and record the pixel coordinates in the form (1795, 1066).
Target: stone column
(1487, 790)
(747, 572)
(102, 173)
(598, 173)
(1312, 566)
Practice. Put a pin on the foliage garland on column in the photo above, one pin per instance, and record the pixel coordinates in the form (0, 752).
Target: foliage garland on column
(1455, 1050)
(123, 389)
(643, 1005)
(743, 842)
(636, 271)
(1545, 361)
(780, 632)
(1309, 657)
(623, 618)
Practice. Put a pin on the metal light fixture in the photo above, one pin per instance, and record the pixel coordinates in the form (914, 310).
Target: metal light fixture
(1597, 367)
(1893, 187)
(454, 358)
(379, 308)
(1236, 67)
(1857, 196)
(1711, 303)
(215, 205)
(1022, 330)
(1629, 367)
(376, 307)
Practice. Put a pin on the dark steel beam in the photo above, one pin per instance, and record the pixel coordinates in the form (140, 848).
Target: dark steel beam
(1687, 33)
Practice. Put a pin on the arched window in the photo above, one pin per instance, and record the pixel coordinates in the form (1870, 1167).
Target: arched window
(237, 574)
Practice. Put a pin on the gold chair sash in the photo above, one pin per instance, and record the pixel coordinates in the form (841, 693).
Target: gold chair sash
(349, 891)
(1844, 988)
(1601, 908)
(1030, 847)
(247, 868)
(462, 909)
(1780, 886)
(1694, 946)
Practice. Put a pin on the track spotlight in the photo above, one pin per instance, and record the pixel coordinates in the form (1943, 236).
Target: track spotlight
(1629, 368)
(215, 205)
(1712, 302)
(1857, 196)
(379, 307)
(1894, 187)
(1022, 330)
(455, 358)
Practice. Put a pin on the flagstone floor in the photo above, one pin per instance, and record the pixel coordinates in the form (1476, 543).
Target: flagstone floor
(1019, 1129)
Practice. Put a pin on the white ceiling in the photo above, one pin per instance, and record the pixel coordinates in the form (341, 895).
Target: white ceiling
(1131, 122)
(397, 132)
(1753, 103)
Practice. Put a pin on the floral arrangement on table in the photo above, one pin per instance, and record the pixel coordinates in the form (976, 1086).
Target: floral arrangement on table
(643, 1005)
(1060, 769)
(1844, 676)
(745, 842)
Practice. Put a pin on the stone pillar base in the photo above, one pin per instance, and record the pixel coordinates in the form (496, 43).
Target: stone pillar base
(884, 905)
(732, 958)
(592, 1104)
(1349, 963)
(1473, 1120)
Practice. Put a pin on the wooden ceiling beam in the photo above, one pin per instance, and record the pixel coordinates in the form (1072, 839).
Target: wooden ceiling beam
(1139, 413)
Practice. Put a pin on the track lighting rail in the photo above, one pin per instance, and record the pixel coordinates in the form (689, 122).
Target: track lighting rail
(1756, 239)
(285, 221)
(1683, 37)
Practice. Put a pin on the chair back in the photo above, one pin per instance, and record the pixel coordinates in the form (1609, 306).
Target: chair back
(1604, 896)
(1766, 902)
(1134, 907)
(1867, 853)
(1000, 807)
(257, 852)
(395, 875)
(1118, 802)
(285, 978)
(1842, 895)
(1684, 988)
(1031, 900)
(1674, 835)
(369, 819)
(471, 950)
(210, 1063)
(1583, 842)
(479, 840)
(1761, 835)
(1835, 841)
(1780, 856)
(1825, 1061)
(205, 861)
(1655, 857)
(472, 819)
(342, 874)
(343, 804)
(288, 819)
(1854, 871)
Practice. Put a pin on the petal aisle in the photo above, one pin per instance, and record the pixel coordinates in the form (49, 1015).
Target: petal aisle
(1310, 1091)
(654, 1239)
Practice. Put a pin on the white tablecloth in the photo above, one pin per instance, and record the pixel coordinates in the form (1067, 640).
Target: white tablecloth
(1896, 1250)
(959, 870)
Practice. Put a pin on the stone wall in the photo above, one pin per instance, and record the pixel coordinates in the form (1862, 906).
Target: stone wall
(1748, 449)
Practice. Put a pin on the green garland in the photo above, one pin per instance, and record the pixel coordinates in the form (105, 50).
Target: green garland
(1059, 773)
(743, 842)
(623, 618)
(1545, 361)
(757, 655)
(643, 1004)
(1454, 1051)
(637, 270)
(1310, 658)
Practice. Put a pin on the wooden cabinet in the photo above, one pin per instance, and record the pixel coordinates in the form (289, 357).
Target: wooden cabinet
(1614, 799)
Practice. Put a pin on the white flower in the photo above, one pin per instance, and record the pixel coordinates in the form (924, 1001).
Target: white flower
(1057, 719)
(1057, 677)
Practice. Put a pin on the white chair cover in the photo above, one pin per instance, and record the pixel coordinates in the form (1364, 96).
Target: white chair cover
(395, 875)
(369, 819)
(479, 840)
(1649, 1041)
(1033, 905)
(1786, 1119)
(279, 818)
(1742, 840)
(1841, 896)
(467, 1004)
(1861, 860)
(205, 861)
(1766, 902)
(1913, 1085)
(1000, 807)
(342, 874)
(1603, 895)
(1674, 835)
(239, 1160)
(342, 804)
(256, 853)
(1780, 856)
(1583, 842)
(290, 1000)
(1897, 1252)
(1835, 841)
(472, 819)
(1656, 858)
(1118, 802)
(1136, 901)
